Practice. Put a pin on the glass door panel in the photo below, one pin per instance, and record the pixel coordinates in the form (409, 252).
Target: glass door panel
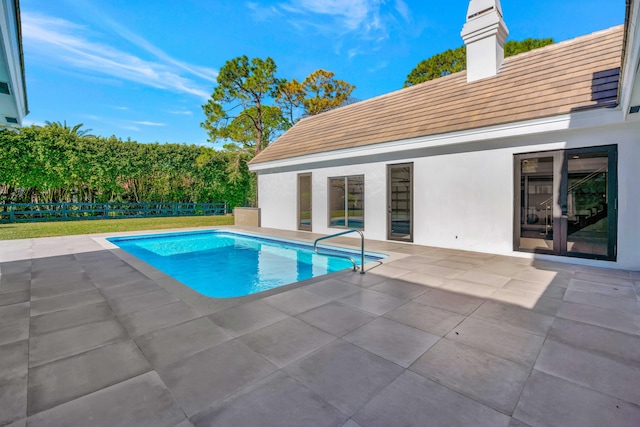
(536, 204)
(566, 202)
(400, 202)
(304, 202)
(587, 203)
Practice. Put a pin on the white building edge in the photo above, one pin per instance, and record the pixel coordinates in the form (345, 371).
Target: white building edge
(13, 90)
(562, 187)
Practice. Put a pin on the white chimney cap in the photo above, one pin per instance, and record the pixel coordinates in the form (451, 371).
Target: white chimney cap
(480, 7)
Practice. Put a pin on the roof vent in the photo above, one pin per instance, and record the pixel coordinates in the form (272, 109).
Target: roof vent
(11, 120)
(634, 109)
(4, 88)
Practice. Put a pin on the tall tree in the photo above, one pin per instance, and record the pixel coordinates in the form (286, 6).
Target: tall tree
(238, 102)
(455, 60)
(290, 97)
(324, 92)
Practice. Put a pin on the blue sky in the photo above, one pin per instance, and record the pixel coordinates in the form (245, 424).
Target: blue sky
(142, 69)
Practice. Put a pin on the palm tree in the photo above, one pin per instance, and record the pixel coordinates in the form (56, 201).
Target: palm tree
(72, 130)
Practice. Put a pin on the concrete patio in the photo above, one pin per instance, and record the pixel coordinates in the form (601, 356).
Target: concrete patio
(431, 337)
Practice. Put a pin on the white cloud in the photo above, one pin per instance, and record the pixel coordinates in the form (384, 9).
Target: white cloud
(181, 113)
(147, 123)
(64, 43)
(368, 19)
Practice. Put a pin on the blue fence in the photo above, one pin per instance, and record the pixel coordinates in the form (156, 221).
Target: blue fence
(32, 212)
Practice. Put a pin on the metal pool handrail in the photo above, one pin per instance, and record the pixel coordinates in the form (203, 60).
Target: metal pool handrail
(355, 266)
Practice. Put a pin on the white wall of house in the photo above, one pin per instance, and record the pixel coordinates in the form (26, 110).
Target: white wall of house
(463, 193)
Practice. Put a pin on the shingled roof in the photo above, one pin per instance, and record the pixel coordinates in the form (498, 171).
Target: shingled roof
(575, 75)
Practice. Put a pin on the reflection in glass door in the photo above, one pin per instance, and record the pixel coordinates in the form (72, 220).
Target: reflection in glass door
(304, 202)
(536, 204)
(566, 202)
(588, 203)
(400, 202)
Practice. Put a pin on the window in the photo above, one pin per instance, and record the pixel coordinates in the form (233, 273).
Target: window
(346, 202)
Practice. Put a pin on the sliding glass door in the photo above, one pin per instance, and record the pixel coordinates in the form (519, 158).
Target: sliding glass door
(566, 202)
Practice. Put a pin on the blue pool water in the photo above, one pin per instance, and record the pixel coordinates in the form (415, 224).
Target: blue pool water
(223, 264)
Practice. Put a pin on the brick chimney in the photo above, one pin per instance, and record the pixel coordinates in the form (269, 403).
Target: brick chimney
(484, 34)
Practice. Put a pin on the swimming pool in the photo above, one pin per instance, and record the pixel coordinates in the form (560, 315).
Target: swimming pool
(224, 264)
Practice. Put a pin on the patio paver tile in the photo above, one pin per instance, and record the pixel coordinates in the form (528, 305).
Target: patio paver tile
(619, 321)
(296, 301)
(627, 305)
(595, 371)
(14, 329)
(247, 318)
(370, 278)
(13, 398)
(344, 374)
(614, 344)
(445, 272)
(551, 401)
(130, 289)
(142, 302)
(14, 298)
(13, 359)
(45, 278)
(450, 301)
(531, 301)
(276, 401)
(144, 400)
(199, 381)
(429, 319)
(477, 290)
(335, 318)
(68, 342)
(413, 400)
(62, 302)
(158, 317)
(63, 380)
(373, 302)
(68, 318)
(500, 340)
(489, 379)
(616, 291)
(423, 279)
(392, 340)
(15, 267)
(518, 317)
(606, 280)
(548, 291)
(176, 342)
(332, 289)
(61, 289)
(485, 278)
(286, 341)
(400, 289)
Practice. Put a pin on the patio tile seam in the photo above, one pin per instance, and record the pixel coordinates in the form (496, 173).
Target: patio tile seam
(585, 387)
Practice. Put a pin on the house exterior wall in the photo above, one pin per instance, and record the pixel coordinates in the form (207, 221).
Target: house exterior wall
(463, 193)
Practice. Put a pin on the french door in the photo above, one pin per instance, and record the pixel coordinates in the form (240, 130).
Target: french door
(566, 202)
(304, 202)
(400, 202)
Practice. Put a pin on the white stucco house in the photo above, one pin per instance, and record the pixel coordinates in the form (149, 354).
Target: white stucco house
(533, 155)
(13, 90)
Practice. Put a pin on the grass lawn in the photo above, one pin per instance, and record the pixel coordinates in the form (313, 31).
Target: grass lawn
(68, 228)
